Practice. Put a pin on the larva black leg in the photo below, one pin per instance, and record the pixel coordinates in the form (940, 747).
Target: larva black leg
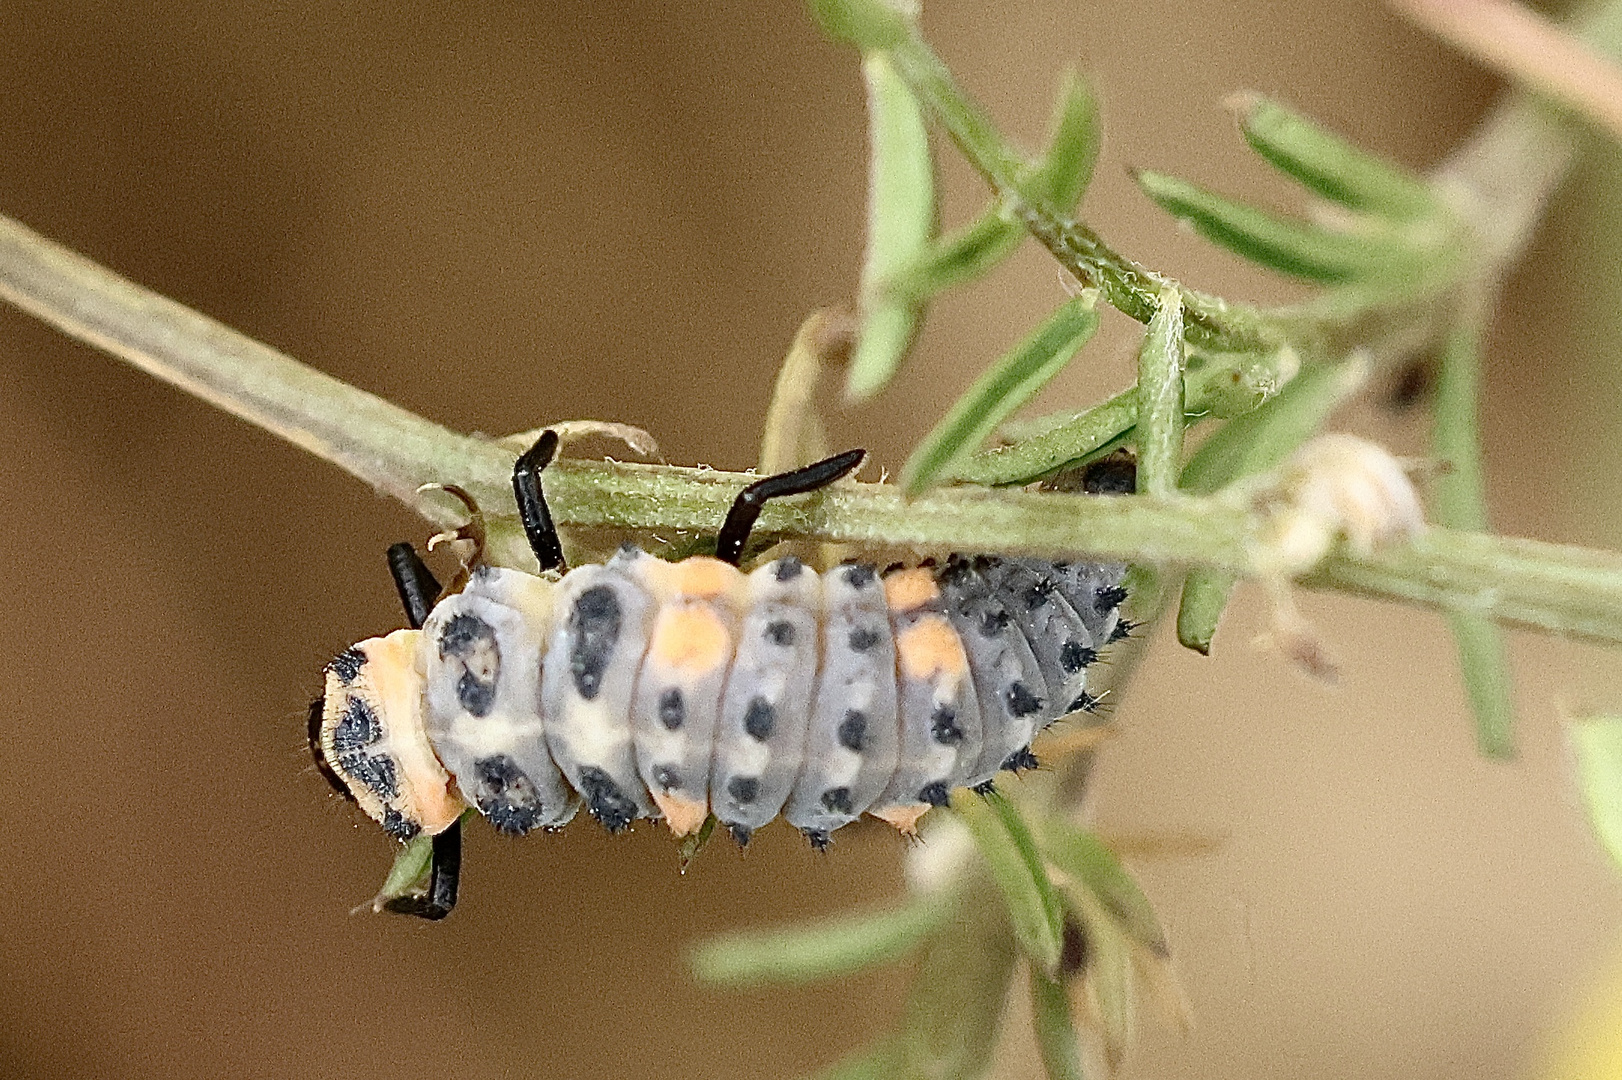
(747, 506)
(418, 590)
(417, 584)
(532, 511)
(444, 874)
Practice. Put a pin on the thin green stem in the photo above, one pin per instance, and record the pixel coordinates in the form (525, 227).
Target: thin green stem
(1548, 586)
(1497, 181)
(1460, 502)
(1160, 389)
(388, 447)
(1127, 286)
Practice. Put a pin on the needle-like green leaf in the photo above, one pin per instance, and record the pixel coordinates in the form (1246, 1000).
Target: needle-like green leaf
(965, 255)
(410, 869)
(1034, 908)
(900, 223)
(1067, 167)
(1290, 247)
(1160, 398)
(1086, 863)
(1004, 387)
(837, 946)
(1059, 181)
(1331, 166)
(1055, 1030)
(867, 24)
(1460, 502)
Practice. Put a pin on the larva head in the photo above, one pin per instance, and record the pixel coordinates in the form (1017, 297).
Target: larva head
(371, 737)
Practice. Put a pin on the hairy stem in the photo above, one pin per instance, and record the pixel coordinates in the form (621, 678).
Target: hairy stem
(1552, 587)
(392, 449)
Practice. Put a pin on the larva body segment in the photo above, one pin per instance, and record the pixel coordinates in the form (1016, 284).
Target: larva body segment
(482, 693)
(641, 688)
(852, 742)
(766, 707)
(939, 710)
(601, 624)
(1011, 683)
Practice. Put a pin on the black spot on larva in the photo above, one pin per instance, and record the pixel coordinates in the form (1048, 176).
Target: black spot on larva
(1123, 630)
(862, 639)
(357, 727)
(605, 801)
(1073, 656)
(322, 765)
(740, 833)
(1037, 595)
(1109, 597)
(745, 789)
(672, 709)
(376, 773)
(399, 826)
(468, 643)
(594, 627)
(1020, 760)
(985, 788)
(780, 632)
(787, 568)
(860, 575)
(993, 623)
(477, 697)
(935, 794)
(346, 665)
(1019, 701)
(817, 838)
(943, 726)
(837, 800)
(1084, 702)
(628, 550)
(853, 731)
(666, 777)
(759, 719)
(506, 795)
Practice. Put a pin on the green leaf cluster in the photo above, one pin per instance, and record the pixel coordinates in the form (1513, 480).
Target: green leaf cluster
(1047, 895)
(1380, 240)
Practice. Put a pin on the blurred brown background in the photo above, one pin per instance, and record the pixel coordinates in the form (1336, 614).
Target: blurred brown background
(528, 213)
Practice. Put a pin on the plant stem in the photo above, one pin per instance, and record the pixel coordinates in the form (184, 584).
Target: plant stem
(392, 449)
(1498, 181)
(1129, 287)
(1552, 587)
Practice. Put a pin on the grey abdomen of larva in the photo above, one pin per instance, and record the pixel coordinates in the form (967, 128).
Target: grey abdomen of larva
(543, 696)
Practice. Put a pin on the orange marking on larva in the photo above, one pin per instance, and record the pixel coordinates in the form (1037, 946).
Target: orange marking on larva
(690, 638)
(930, 647)
(684, 816)
(903, 818)
(905, 590)
(704, 578)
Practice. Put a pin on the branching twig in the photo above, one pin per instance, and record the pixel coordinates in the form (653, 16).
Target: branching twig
(1551, 587)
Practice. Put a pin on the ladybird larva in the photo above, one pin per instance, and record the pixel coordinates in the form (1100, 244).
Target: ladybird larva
(646, 689)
